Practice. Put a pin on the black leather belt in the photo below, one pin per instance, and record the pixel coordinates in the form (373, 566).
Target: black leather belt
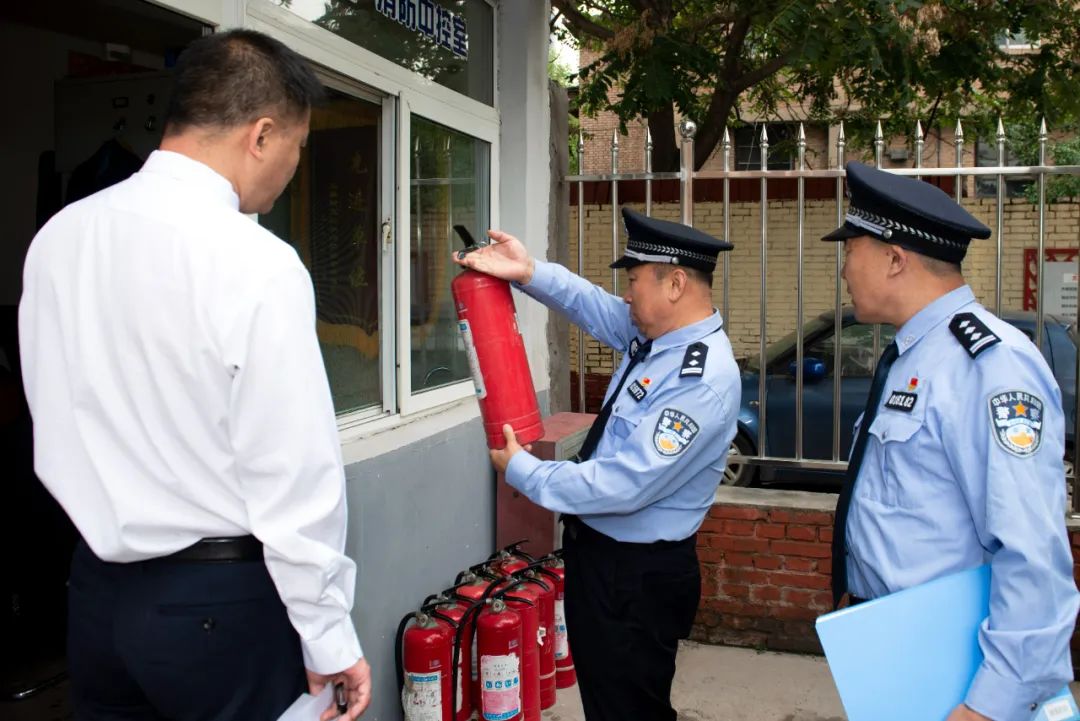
(584, 533)
(220, 550)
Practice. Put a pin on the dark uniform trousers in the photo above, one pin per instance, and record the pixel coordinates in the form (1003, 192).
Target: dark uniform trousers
(627, 606)
(182, 641)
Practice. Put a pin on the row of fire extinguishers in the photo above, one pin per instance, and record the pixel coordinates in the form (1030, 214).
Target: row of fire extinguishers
(492, 647)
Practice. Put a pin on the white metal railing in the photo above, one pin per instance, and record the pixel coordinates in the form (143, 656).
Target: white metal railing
(686, 176)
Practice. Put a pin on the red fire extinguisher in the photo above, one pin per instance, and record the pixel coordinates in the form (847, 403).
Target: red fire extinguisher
(474, 587)
(545, 581)
(424, 652)
(524, 598)
(460, 618)
(498, 633)
(496, 352)
(565, 675)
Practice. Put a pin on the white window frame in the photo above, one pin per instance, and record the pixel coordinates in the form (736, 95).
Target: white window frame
(406, 94)
(410, 104)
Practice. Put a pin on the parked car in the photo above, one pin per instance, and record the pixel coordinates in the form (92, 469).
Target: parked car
(856, 371)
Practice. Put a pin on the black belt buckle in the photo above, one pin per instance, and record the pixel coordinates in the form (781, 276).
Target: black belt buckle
(231, 549)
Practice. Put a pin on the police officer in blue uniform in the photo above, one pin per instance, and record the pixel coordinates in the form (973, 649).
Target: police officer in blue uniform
(958, 458)
(650, 464)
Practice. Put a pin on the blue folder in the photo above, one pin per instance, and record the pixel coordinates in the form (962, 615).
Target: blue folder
(913, 654)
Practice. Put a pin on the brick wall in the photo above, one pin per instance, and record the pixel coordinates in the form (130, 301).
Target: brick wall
(766, 569)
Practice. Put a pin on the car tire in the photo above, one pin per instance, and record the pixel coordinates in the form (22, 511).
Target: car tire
(741, 474)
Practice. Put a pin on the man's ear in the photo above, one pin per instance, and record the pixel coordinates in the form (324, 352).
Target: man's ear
(258, 136)
(899, 258)
(677, 282)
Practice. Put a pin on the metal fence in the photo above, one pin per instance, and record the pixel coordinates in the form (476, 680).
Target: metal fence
(686, 176)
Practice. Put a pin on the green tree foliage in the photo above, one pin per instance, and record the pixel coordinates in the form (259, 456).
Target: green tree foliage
(857, 60)
(1023, 141)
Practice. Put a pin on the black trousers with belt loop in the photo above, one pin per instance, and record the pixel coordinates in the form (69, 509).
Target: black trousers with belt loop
(627, 606)
(179, 640)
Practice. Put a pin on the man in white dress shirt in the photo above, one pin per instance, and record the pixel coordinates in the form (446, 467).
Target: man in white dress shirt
(183, 419)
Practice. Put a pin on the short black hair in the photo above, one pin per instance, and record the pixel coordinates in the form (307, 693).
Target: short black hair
(232, 78)
(664, 269)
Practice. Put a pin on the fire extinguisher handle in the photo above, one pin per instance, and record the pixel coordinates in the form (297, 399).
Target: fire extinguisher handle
(511, 587)
(435, 599)
(515, 548)
(518, 599)
(443, 617)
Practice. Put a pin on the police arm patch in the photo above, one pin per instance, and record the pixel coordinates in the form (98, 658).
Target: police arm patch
(1016, 419)
(674, 432)
(972, 333)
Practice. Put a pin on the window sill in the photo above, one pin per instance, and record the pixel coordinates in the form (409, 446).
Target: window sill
(374, 438)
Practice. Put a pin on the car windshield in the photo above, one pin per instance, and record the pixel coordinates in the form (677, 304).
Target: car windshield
(775, 350)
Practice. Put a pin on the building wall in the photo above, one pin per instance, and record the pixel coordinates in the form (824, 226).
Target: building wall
(1020, 232)
(417, 516)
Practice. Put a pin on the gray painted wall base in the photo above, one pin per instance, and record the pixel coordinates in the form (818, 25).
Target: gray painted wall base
(417, 516)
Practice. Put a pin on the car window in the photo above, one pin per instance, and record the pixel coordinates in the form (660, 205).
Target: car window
(856, 349)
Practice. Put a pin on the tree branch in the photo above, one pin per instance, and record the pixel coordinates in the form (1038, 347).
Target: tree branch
(578, 22)
(733, 48)
(761, 72)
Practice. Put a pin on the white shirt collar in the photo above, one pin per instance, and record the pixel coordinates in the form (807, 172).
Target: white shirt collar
(189, 170)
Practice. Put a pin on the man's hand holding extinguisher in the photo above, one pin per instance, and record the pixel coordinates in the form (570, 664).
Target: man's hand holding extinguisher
(500, 457)
(506, 258)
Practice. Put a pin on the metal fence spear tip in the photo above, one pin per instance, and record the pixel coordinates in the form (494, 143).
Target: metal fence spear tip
(1042, 128)
(959, 131)
(764, 135)
(918, 130)
(1000, 129)
(840, 135)
(615, 138)
(878, 135)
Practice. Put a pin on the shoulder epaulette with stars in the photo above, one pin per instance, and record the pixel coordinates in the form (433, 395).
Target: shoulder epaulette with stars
(693, 363)
(972, 333)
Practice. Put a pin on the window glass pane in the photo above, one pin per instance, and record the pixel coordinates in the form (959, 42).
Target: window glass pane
(856, 347)
(448, 41)
(450, 186)
(330, 214)
(748, 147)
(986, 156)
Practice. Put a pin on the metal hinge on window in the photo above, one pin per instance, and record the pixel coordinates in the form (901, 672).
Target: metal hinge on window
(387, 235)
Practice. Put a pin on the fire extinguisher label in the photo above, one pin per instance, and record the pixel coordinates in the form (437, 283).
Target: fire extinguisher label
(421, 699)
(500, 687)
(474, 359)
(562, 648)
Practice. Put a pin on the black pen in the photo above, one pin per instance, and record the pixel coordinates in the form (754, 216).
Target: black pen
(340, 699)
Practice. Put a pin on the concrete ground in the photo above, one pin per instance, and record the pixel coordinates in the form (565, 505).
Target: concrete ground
(722, 683)
(712, 683)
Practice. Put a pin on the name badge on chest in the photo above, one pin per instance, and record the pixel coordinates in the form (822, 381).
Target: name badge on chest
(638, 389)
(901, 401)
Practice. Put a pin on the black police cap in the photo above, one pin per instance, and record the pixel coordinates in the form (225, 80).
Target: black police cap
(906, 212)
(649, 240)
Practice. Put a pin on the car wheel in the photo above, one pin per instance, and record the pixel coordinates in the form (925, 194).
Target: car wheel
(740, 474)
